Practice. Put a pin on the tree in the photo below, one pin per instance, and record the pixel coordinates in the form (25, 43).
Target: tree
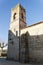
(2, 46)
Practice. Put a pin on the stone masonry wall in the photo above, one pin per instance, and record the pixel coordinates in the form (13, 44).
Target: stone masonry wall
(36, 48)
(35, 42)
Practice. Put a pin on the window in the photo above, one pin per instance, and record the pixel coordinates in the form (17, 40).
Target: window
(14, 16)
(9, 38)
(22, 15)
(16, 33)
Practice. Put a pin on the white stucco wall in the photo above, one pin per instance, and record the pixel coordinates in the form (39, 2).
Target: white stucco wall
(34, 30)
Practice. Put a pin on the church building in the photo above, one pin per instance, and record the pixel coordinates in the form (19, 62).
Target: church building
(25, 43)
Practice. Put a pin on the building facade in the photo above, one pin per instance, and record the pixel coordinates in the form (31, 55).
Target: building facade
(25, 43)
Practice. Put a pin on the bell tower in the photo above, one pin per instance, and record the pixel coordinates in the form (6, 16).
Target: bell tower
(14, 24)
(18, 18)
(22, 17)
(17, 22)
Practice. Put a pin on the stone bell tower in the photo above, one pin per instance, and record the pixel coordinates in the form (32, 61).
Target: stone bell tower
(18, 22)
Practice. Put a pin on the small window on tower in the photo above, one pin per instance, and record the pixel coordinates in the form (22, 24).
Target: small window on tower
(22, 15)
(16, 33)
(14, 16)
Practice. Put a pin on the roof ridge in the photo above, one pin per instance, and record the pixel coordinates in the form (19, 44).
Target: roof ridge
(34, 24)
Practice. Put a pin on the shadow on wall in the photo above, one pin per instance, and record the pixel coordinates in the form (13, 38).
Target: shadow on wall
(24, 48)
(31, 47)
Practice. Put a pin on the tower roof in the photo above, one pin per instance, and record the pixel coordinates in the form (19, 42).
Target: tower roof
(19, 5)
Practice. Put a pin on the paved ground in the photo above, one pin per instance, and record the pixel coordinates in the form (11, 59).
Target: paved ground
(3, 61)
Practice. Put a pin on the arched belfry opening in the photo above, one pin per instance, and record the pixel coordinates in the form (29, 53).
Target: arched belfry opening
(14, 16)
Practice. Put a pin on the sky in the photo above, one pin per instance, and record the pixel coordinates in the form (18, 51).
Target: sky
(34, 14)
